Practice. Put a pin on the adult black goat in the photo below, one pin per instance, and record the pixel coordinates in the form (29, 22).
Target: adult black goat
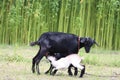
(58, 42)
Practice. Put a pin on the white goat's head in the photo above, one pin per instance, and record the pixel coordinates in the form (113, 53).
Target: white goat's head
(51, 58)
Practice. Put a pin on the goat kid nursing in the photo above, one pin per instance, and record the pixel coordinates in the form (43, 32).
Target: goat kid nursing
(64, 63)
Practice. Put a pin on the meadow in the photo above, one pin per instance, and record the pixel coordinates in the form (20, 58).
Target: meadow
(15, 64)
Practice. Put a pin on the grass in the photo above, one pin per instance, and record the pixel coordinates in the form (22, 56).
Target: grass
(15, 64)
(102, 57)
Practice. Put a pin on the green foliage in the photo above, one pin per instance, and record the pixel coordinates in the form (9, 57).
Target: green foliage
(23, 21)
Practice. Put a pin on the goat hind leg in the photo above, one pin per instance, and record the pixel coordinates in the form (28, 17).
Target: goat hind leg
(37, 67)
(76, 71)
(33, 66)
(54, 72)
(80, 66)
(82, 71)
(34, 61)
(69, 70)
(49, 70)
(39, 57)
(37, 63)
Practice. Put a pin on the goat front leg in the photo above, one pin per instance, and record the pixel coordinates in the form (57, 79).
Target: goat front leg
(76, 71)
(69, 70)
(37, 59)
(49, 70)
(34, 61)
(82, 71)
(54, 72)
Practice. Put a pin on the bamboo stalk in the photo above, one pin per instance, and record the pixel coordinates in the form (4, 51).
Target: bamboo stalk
(90, 18)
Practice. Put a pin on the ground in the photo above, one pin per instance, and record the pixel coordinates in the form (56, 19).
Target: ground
(15, 64)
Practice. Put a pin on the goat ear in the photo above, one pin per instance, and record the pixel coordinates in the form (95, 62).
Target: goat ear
(83, 40)
(96, 43)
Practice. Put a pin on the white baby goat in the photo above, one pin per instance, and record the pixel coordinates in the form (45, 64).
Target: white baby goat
(65, 62)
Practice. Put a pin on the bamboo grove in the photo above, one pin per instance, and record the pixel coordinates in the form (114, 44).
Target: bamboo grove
(23, 21)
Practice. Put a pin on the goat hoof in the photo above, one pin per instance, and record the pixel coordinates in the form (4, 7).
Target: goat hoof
(70, 74)
(75, 74)
(33, 71)
(52, 74)
(38, 73)
(80, 76)
(46, 72)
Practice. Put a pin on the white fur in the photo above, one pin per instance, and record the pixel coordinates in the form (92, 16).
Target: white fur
(65, 62)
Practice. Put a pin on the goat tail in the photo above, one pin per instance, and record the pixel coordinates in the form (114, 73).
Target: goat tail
(34, 43)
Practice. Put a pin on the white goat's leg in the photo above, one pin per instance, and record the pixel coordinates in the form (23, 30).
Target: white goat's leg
(82, 67)
(82, 71)
(78, 66)
(54, 71)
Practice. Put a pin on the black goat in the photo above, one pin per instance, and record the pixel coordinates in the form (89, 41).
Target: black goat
(58, 42)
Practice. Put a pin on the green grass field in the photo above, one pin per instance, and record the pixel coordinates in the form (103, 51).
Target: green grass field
(15, 64)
